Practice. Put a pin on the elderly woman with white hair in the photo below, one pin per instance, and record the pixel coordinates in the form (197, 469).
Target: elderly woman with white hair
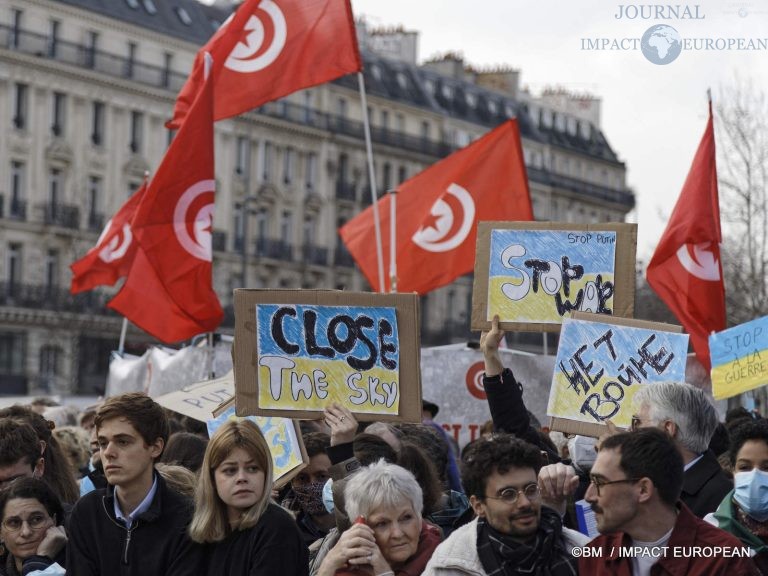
(388, 536)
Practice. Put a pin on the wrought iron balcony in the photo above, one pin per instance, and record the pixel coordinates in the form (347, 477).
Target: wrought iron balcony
(275, 249)
(314, 254)
(345, 190)
(15, 210)
(342, 257)
(64, 215)
(594, 191)
(50, 297)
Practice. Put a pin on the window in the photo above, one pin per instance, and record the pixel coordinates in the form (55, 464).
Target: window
(286, 227)
(308, 114)
(266, 161)
(137, 131)
(54, 186)
(97, 123)
(425, 130)
(402, 174)
(133, 185)
(238, 227)
(243, 156)
(184, 16)
(167, 67)
(12, 353)
(262, 222)
(341, 105)
(310, 174)
(150, 7)
(92, 45)
(13, 41)
(20, 93)
(386, 179)
(53, 38)
(343, 168)
(52, 269)
(49, 366)
(132, 3)
(400, 119)
(13, 271)
(130, 61)
(170, 134)
(288, 163)
(308, 232)
(17, 181)
(385, 120)
(94, 203)
(58, 114)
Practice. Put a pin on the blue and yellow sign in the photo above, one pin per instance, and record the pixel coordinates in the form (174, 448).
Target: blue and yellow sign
(739, 358)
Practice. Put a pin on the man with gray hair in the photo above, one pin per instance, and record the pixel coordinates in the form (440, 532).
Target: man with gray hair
(687, 416)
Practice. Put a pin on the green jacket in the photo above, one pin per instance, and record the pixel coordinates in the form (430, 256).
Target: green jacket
(725, 518)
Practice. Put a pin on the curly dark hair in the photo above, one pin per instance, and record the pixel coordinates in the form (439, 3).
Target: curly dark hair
(316, 443)
(33, 489)
(749, 430)
(499, 453)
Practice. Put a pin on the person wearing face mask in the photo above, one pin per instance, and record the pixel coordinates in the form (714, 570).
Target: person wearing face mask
(744, 510)
(306, 495)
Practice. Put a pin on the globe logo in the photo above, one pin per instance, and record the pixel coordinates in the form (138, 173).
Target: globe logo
(661, 44)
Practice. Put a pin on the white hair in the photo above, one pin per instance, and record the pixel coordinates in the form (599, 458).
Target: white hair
(685, 405)
(381, 485)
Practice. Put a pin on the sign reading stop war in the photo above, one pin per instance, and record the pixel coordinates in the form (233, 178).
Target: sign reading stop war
(600, 365)
(533, 274)
(312, 348)
(739, 358)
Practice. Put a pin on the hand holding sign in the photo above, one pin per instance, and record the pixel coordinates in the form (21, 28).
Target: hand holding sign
(489, 344)
(342, 423)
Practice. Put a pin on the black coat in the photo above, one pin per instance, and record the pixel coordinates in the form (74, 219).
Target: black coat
(157, 543)
(705, 485)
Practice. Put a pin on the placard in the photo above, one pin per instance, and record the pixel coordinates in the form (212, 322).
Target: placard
(283, 437)
(739, 358)
(600, 365)
(533, 274)
(199, 400)
(296, 351)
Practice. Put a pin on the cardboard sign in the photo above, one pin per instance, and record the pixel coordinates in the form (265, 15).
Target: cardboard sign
(533, 274)
(200, 400)
(452, 378)
(296, 351)
(283, 437)
(739, 358)
(602, 363)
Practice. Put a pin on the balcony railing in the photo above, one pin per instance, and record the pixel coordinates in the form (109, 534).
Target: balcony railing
(580, 187)
(314, 255)
(64, 215)
(342, 257)
(15, 210)
(275, 249)
(95, 222)
(345, 190)
(48, 297)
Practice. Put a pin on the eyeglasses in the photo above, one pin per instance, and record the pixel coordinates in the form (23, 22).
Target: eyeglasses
(510, 495)
(598, 483)
(34, 521)
(635, 423)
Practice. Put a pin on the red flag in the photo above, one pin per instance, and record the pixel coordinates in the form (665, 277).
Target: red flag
(438, 210)
(168, 292)
(111, 258)
(685, 270)
(271, 48)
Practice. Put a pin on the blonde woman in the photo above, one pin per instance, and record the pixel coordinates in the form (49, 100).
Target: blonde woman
(247, 534)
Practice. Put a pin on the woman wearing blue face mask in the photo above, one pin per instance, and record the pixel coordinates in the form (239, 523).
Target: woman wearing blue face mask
(744, 511)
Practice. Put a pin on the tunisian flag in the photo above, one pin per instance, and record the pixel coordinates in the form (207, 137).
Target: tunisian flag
(685, 270)
(111, 258)
(438, 210)
(271, 48)
(168, 292)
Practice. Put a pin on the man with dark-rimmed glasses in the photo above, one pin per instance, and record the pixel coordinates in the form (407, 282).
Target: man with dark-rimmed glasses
(634, 491)
(512, 533)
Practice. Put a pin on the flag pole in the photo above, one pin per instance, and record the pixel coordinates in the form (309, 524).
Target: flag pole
(392, 240)
(372, 180)
(123, 332)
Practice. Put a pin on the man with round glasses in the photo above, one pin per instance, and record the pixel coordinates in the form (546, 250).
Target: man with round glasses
(512, 533)
(634, 491)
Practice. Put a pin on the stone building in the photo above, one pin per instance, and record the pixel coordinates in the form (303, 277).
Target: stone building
(85, 89)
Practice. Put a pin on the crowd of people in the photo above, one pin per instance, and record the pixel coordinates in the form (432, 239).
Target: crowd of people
(129, 488)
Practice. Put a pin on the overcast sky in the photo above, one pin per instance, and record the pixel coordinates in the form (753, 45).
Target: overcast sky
(652, 115)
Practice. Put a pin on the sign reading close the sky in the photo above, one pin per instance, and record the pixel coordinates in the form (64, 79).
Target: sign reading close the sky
(312, 355)
(739, 358)
(297, 351)
(600, 365)
(533, 275)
